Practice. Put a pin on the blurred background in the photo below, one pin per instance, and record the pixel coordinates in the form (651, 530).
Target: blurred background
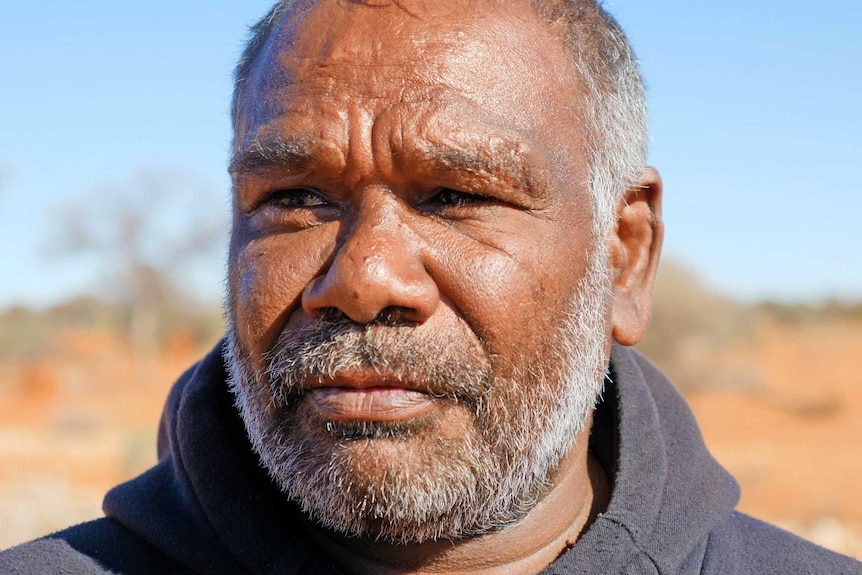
(113, 222)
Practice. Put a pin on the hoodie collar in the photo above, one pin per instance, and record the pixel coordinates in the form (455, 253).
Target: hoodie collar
(210, 504)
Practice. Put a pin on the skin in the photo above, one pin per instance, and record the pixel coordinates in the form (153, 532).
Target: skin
(427, 173)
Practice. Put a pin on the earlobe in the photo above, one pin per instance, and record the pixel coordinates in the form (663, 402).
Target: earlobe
(635, 247)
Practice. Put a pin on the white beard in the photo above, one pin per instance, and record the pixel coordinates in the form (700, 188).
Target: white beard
(407, 482)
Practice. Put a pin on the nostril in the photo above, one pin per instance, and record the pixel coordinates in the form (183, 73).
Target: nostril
(394, 316)
(330, 315)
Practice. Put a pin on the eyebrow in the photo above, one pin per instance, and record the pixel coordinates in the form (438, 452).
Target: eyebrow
(291, 154)
(506, 162)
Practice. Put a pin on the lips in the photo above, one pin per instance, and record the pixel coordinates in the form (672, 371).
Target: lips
(370, 403)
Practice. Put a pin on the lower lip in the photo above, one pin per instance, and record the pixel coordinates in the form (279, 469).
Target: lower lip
(371, 404)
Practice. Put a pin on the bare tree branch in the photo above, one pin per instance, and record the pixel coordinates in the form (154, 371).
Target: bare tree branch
(144, 234)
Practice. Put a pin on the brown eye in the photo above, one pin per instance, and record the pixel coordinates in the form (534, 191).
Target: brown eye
(450, 197)
(296, 198)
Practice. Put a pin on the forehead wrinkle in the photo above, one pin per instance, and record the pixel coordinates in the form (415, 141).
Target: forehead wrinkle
(349, 45)
(383, 75)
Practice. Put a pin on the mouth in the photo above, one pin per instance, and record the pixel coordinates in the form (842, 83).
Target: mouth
(365, 395)
(376, 403)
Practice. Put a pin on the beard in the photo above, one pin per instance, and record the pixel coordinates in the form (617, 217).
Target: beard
(423, 479)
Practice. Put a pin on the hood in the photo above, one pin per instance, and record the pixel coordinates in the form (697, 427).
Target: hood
(668, 493)
(208, 503)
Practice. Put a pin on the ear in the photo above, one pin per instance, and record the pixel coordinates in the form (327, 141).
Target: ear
(634, 252)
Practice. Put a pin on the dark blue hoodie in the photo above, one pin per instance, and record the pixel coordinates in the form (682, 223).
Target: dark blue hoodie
(209, 507)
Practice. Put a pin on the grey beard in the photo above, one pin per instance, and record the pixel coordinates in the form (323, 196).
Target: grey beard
(402, 482)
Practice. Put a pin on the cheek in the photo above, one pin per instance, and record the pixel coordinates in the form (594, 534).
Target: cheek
(267, 278)
(513, 293)
(495, 294)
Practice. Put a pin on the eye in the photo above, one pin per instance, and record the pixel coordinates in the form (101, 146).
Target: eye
(450, 197)
(295, 198)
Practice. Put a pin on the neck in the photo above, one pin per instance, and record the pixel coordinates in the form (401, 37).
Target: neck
(579, 494)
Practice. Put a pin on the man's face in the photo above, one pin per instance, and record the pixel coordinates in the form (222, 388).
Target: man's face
(417, 304)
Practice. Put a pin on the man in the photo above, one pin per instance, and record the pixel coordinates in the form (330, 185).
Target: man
(442, 219)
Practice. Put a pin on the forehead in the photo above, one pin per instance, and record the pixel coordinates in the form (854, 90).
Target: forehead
(497, 57)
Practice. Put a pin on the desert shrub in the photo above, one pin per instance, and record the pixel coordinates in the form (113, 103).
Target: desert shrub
(27, 334)
(795, 313)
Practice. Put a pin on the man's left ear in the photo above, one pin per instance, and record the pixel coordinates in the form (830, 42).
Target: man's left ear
(634, 252)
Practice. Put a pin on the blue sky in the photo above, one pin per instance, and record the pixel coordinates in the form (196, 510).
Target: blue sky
(754, 106)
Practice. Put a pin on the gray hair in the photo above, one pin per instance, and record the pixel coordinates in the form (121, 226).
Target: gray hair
(615, 106)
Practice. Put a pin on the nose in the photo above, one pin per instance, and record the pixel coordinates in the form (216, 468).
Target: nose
(377, 269)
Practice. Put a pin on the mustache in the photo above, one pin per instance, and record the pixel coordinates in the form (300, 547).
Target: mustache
(313, 353)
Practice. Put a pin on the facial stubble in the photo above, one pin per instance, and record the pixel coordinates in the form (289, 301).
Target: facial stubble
(478, 463)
